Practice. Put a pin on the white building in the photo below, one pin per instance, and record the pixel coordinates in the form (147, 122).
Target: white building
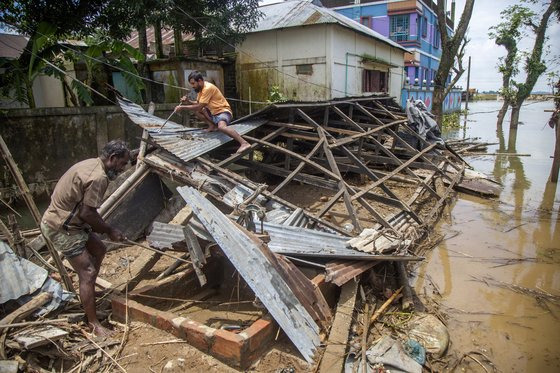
(314, 54)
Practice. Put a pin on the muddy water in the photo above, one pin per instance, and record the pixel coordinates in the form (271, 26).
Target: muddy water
(512, 240)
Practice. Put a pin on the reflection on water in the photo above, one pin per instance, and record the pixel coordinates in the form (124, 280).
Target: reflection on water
(514, 240)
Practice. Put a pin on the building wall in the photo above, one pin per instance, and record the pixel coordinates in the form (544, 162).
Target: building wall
(275, 59)
(46, 142)
(348, 68)
(313, 62)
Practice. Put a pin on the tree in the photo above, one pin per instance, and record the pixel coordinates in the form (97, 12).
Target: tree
(214, 22)
(534, 66)
(507, 34)
(46, 23)
(452, 49)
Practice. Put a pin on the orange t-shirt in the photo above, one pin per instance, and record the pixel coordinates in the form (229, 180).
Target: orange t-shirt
(213, 98)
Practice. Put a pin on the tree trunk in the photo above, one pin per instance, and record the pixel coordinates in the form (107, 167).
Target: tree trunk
(159, 41)
(30, 97)
(515, 109)
(502, 113)
(178, 38)
(512, 140)
(143, 66)
(556, 160)
(437, 106)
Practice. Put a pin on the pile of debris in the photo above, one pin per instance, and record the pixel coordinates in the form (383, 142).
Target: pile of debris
(326, 192)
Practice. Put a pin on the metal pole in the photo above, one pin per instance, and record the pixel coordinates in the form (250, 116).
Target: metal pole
(468, 84)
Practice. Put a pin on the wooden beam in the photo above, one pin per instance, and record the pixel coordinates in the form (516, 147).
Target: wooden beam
(298, 168)
(236, 156)
(335, 353)
(252, 185)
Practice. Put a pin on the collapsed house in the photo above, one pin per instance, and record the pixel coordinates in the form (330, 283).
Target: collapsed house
(374, 206)
(326, 191)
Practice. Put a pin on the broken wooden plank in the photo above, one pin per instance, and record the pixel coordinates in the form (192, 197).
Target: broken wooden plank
(259, 272)
(335, 353)
(139, 269)
(197, 256)
(41, 336)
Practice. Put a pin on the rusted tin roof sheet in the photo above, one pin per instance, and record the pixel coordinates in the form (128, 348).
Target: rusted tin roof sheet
(261, 272)
(184, 142)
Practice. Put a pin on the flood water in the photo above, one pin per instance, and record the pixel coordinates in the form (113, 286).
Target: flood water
(493, 244)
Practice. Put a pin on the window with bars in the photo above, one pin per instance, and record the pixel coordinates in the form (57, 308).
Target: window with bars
(399, 28)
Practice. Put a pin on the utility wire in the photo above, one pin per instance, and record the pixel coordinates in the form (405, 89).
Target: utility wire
(253, 57)
(137, 75)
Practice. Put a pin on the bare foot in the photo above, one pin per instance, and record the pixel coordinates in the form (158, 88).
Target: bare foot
(243, 147)
(211, 129)
(99, 330)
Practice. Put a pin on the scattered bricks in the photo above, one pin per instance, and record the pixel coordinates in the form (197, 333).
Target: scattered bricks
(228, 347)
(199, 336)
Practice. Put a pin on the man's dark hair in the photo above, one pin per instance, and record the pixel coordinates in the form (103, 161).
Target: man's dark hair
(115, 147)
(196, 75)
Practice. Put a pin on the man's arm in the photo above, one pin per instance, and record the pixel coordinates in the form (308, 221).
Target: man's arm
(91, 216)
(193, 107)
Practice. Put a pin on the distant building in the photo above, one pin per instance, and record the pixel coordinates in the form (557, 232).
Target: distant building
(312, 53)
(411, 23)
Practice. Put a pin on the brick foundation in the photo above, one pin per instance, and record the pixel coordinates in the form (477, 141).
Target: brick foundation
(235, 349)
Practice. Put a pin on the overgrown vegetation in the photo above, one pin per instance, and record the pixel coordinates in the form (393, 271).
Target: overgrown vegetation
(275, 95)
(522, 22)
(373, 59)
(104, 24)
(452, 120)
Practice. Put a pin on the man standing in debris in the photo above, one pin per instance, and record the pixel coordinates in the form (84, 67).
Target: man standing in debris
(72, 216)
(212, 108)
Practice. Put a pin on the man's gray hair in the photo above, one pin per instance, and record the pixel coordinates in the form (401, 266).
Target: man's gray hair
(115, 147)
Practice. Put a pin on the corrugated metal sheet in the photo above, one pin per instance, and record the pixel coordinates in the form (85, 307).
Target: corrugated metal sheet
(341, 271)
(260, 273)
(18, 276)
(301, 13)
(184, 142)
(164, 235)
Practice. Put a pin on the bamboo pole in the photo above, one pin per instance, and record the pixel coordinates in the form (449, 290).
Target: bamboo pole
(34, 210)
(384, 306)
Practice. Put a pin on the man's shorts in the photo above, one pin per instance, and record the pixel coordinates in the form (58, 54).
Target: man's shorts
(225, 116)
(70, 245)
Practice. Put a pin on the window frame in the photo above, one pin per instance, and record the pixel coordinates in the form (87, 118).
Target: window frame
(366, 18)
(399, 31)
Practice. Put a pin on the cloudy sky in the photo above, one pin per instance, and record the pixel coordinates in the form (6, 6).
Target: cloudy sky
(485, 53)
